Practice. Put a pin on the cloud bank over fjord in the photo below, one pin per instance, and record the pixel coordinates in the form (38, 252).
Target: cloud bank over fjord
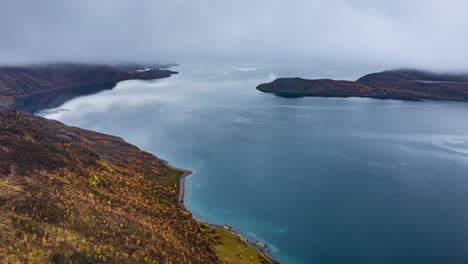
(411, 33)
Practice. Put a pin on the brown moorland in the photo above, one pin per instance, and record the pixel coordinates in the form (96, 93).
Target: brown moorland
(32, 88)
(69, 195)
(396, 84)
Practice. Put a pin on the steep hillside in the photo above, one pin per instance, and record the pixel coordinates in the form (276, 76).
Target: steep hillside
(68, 194)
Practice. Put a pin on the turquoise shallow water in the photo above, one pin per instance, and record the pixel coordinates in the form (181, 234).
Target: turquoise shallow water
(321, 180)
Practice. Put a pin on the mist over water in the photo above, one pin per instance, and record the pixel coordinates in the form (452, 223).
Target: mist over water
(321, 180)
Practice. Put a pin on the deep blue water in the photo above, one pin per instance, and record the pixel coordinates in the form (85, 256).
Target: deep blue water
(321, 180)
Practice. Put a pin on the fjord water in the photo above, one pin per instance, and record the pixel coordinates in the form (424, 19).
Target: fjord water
(320, 180)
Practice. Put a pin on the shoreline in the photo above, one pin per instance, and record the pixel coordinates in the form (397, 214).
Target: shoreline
(262, 248)
(403, 84)
(31, 88)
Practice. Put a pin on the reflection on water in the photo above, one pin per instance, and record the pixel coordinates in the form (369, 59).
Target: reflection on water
(321, 180)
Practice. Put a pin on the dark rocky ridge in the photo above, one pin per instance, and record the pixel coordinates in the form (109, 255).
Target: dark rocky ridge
(396, 84)
(47, 86)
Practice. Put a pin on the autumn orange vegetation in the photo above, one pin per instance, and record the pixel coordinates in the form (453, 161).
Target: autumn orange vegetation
(69, 195)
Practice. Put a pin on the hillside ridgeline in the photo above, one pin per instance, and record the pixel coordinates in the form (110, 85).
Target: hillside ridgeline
(396, 84)
(33, 88)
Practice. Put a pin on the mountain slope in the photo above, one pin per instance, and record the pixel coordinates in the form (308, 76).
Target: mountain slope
(67, 192)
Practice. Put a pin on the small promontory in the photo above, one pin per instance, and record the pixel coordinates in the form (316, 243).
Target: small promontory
(394, 84)
(32, 88)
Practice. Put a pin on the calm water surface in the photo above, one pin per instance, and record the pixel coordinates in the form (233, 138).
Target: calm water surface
(321, 180)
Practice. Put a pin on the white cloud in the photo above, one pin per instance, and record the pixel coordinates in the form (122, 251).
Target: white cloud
(430, 33)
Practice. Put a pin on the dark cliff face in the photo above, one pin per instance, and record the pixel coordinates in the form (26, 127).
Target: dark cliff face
(46, 86)
(398, 84)
(68, 193)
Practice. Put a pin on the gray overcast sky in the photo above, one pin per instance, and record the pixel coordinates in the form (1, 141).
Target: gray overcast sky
(425, 33)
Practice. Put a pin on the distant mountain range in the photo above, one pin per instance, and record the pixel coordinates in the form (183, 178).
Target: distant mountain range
(393, 84)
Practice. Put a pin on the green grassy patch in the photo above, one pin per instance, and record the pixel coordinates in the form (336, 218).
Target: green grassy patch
(231, 249)
(171, 178)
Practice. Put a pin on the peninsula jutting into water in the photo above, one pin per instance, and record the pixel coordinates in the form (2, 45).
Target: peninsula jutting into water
(395, 84)
(37, 87)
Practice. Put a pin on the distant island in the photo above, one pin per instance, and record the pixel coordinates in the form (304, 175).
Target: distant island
(69, 195)
(31, 88)
(394, 84)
